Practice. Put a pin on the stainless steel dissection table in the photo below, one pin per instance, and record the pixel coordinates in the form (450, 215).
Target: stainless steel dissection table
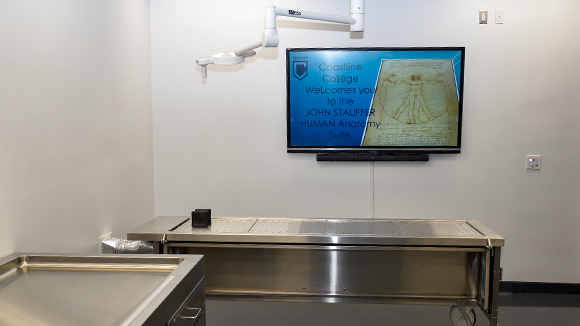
(335, 260)
(124, 290)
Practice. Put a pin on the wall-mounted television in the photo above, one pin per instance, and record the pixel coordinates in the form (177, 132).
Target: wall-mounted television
(374, 103)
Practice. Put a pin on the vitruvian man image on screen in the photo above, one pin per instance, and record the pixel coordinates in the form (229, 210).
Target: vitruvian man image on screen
(416, 104)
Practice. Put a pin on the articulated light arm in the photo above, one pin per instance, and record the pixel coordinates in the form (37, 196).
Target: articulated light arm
(270, 36)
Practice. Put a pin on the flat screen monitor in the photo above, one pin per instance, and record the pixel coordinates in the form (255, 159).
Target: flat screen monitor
(376, 100)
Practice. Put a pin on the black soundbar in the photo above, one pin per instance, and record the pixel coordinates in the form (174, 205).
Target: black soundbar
(372, 157)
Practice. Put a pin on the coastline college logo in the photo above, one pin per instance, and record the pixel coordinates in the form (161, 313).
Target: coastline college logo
(300, 69)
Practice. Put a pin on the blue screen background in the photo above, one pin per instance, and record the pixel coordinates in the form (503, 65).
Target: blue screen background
(312, 114)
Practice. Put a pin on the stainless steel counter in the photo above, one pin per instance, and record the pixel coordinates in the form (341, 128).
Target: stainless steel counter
(332, 260)
(123, 290)
(320, 231)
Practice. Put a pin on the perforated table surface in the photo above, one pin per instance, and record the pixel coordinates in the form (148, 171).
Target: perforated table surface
(320, 231)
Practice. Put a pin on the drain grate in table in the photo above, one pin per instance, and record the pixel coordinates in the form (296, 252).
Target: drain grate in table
(377, 228)
(219, 225)
(289, 226)
(387, 228)
(347, 227)
(401, 228)
(438, 229)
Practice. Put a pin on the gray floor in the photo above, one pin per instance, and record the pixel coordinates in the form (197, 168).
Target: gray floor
(528, 310)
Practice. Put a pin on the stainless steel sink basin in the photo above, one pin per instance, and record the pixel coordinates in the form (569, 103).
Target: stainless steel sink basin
(98, 290)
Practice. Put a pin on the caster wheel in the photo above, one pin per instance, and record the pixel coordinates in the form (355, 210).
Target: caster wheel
(457, 319)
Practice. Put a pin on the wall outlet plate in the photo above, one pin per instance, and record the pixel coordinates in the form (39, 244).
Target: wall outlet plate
(483, 16)
(103, 238)
(499, 13)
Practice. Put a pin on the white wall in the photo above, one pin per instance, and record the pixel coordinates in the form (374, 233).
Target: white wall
(220, 143)
(75, 122)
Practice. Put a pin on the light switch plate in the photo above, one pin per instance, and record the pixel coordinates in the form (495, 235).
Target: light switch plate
(533, 162)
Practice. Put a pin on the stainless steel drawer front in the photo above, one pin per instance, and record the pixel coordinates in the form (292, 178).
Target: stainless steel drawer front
(193, 311)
